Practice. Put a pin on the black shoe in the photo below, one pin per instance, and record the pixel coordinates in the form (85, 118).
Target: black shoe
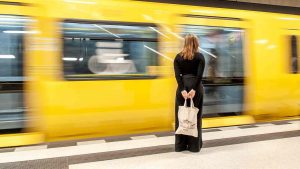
(194, 150)
(180, 149)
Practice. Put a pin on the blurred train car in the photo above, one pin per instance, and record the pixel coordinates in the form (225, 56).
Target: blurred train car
(90, 68)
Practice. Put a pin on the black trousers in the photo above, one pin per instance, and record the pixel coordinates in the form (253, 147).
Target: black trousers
(183, 142)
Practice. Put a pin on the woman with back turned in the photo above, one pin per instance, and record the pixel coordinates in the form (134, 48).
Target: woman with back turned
(189, 62)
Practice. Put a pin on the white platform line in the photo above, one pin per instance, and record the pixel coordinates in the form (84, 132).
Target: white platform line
(143, 137)
(264, 124)
(83, 149)
(228, 128)
(27, 148)
(249, 131)
(131, 144)
(295, 122)
(91, 142)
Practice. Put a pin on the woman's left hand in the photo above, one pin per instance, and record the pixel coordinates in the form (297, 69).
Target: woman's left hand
(191, 94)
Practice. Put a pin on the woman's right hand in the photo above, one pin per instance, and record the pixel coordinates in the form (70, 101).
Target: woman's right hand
(191, 94)
(184, 94)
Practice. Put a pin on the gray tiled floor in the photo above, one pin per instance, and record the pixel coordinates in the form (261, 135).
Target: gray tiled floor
(210, 130)
(269, 154)
(113, 139)
(53, 163)
(280, 122)
(61, 144)
(4, 150)
(247, 126)
(63, 162)
(164, 134)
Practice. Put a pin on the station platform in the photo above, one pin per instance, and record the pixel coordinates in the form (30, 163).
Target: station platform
(274, 145)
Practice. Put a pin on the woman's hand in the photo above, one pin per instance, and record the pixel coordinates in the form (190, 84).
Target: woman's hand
(191, 94)
(184, 94)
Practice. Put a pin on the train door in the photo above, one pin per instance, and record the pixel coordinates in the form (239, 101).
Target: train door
(222, 42)
(291, 53)
(13, 29)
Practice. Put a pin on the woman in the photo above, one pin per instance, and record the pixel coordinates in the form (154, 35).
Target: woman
(189, 62)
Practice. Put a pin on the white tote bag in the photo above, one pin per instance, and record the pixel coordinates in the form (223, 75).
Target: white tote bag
(187, 117)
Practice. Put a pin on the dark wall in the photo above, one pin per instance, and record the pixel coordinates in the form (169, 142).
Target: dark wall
(277, 6)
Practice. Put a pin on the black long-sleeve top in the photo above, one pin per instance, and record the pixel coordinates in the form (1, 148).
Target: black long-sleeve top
(184, 66)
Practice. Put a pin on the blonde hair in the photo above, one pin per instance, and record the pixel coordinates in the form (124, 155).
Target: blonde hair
(190, 47)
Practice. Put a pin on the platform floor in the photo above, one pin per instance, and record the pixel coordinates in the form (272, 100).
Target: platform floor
(258, 146)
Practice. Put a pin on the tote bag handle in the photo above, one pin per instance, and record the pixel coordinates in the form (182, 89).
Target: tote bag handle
(192, 103)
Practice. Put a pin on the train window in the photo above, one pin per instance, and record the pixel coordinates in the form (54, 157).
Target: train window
(12, 30)
(294, 54)
(114, 51)
(222, 48)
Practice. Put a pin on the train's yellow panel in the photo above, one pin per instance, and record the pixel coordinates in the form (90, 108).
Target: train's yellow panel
(11, 140)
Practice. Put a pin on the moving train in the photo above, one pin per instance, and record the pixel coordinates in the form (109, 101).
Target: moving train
(94, 68)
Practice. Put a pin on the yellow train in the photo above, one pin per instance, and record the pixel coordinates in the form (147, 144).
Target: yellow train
(86, 68)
